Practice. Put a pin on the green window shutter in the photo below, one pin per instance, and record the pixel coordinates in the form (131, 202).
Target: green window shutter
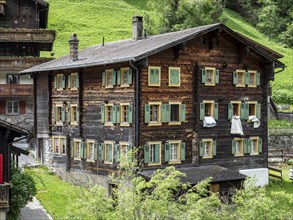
(103, 114)
(200, 148)
(203, 76)
(63, 114)
(103, 79)
(230, 111)
(157, 153)
(243, 114)
(214, 148)
(216, 110)
(103, 151)
(183, 112)
(167, 152)
(130, 76)
(201, 116)
(147, 113)
(110, 149)
(257, 79)
(248, 146)
(63, 82)
(77, 114)
(72, 149)
(182, 151)
(163, 113)
(69, 81)
(260, 145)
(118, 153)
(118, 77)
(114, 114)
(117, 114)
(114, 78)
(235, 76)
(168, 112)
(146, 153)
(77, 81)
(95, 151)
(246, 111)
(84, 150)
(55, 82)
(258, 111)
(233, 147)
(81, 151)
(130, 113)
(247, 78)
(217, 76)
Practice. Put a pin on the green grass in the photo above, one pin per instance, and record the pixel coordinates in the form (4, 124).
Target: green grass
(53, 193)
(280, 124)
(94, 19)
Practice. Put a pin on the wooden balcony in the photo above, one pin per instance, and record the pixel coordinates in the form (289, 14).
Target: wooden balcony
(15, 90)
(4, 196)
(43, 37)
(19, 63)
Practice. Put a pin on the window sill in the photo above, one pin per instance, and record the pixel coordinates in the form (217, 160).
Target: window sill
(109, 124)
(238, 155)
(252, 86)
(74, 123)
(254, 154)
(155, 124)
(73, 89)
(58, 90)
(124, 124)
(174, 85)
(124, 85)
(174, 123)
(90, 160)
(210, 84)
(154, 85)
(59, 124)
(207, 157)
(76, 158)
(109, 87)
(240, 85)
(12, 114)
(107, 162)
(153, 164)
(174, 162)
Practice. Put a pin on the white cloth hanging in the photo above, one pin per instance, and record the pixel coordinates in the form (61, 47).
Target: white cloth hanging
(236, 126)
(209, 122)
(255, 120)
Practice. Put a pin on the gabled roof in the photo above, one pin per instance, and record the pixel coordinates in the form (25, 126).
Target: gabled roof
(130, 50)
(14, 127)
(196, 174)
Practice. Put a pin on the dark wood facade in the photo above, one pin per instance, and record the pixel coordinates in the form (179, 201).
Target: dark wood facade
(22, 37)
(166, 114)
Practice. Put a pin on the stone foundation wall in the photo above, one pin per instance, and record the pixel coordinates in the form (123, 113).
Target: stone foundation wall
(281, 139)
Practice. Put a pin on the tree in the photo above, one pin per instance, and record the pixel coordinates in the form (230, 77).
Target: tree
(173, 15)
(22, 190)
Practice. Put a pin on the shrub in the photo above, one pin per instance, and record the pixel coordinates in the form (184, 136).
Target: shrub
(22, 190)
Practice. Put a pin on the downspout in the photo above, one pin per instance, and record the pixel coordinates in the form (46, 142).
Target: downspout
(136, 90)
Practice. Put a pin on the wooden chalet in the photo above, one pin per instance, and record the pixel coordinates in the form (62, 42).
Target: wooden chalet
(23, 36)
(9, 134)
(195, 99)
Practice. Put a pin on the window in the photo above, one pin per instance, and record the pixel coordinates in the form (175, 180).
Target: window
(239, 78)
(153, 113)
(254, 145)
(123, 151)
(12, 107)
(59, 144)
(152, 153)
(91, 150)
(59, 82)
(207, 148)
(252, 108)
(74, 114)
(154, 76)
(12, 79)
(208, 109)
(107, 151)
(174, 151)
(109, 78)
(124, 77)
(125, 114)
(59, 113)
(210, 76)
(78, 149)
(174, 113)
(237, 147)
(174, 76)
(73, 81)
(234, 109)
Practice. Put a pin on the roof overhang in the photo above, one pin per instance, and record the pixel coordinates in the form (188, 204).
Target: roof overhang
(15, 128)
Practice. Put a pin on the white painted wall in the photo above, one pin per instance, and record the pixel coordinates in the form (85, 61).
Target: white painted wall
(261, 175)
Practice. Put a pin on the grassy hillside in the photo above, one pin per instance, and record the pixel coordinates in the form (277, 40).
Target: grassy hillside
(93, 19)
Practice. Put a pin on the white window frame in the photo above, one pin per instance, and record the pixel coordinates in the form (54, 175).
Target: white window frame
(210, 150)
(90, 150)
(107, 121)
(177, 160)
(77, 146)
(256, 140)
(73, 115)
(13, 103)
(240, 142)
(106, 143)
(122, 121)
(60, 149)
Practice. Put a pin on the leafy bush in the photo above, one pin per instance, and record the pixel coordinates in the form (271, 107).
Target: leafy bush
(22, 190)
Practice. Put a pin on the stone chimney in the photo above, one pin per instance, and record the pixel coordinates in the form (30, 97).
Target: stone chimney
(137, 28)
(73, 42)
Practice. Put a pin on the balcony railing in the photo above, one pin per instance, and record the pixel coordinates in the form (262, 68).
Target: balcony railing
(27, 35)
(4, 195)
(16, 90)
(18, 64)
